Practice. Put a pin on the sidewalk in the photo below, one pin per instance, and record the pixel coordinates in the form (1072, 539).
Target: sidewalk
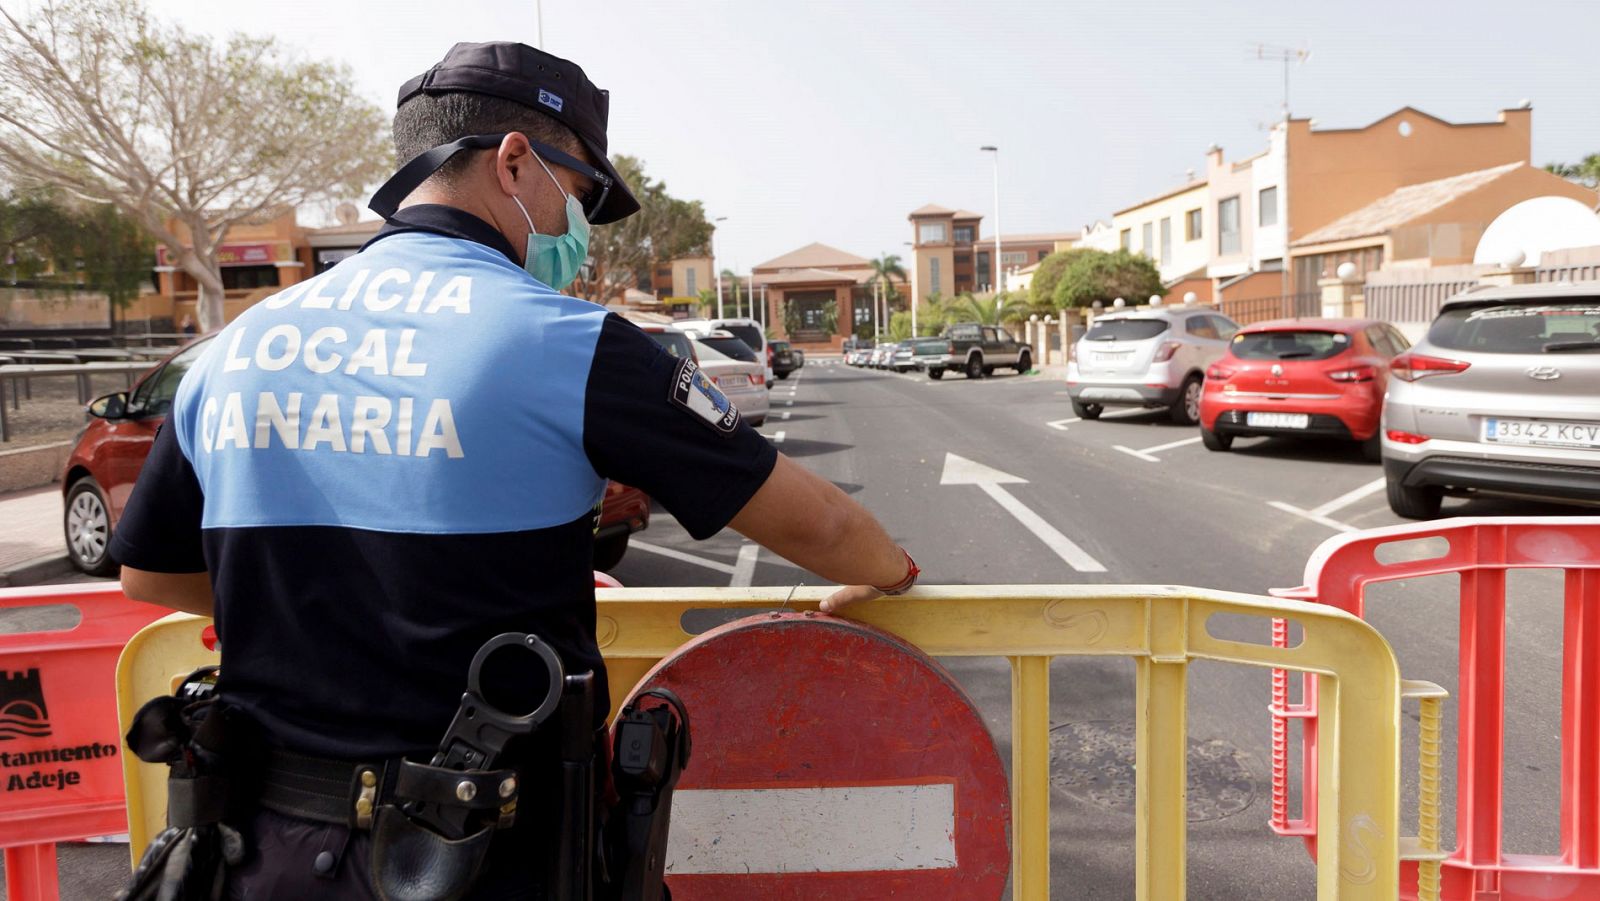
(31, 546)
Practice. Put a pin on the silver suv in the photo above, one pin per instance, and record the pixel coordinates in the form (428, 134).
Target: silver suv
(1147, 357)
(1502, 396)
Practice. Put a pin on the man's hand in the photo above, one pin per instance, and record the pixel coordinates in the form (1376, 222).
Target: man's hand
(848, 595)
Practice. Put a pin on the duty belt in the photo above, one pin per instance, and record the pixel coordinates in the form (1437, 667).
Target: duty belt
(346, 793)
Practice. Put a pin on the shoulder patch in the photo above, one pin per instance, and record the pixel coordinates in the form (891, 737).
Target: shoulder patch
(693, 391)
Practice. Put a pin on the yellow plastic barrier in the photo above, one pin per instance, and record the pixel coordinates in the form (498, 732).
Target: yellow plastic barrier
(1162, 628)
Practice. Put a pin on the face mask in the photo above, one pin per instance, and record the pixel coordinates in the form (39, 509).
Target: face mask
(555, 259)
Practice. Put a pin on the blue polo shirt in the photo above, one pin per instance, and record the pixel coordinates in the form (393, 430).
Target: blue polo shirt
(387, 464)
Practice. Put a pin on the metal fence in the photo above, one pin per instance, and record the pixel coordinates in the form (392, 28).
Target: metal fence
(1261, 309)
(1417, 302)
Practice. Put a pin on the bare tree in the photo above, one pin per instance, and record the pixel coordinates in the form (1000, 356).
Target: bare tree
(185, 136)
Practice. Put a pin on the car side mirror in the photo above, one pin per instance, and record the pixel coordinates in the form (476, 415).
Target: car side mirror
(111, 406)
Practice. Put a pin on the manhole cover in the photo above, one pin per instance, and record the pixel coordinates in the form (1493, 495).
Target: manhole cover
(1092, 762)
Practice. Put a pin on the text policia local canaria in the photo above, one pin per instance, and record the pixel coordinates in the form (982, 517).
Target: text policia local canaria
(362, 424)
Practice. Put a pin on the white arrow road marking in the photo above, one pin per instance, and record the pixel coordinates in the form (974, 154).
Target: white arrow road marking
(797, 830)
(1321, 514)
(784, 415)
(744, 570)
(961, 471)
(671, 553)
(776, 439)
(1061, 424)
(1148, 454)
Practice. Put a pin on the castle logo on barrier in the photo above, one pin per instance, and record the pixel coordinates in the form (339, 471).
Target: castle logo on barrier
(22, 710)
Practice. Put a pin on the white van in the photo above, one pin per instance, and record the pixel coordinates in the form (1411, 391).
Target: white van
(747, 330)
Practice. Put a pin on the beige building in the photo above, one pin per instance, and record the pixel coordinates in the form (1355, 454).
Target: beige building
(807, 288)
(1171, 229)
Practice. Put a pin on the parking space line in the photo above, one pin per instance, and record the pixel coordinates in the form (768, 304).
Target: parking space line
(785, 415)
(1345, 500)
(674, 554)
(1148, 454)
(745, 569)
(1321, 516)
(776, 439)
(1312, 515)
(1060, 425)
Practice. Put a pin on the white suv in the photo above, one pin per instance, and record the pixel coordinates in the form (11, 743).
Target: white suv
(1502, 396)
(1150, 357)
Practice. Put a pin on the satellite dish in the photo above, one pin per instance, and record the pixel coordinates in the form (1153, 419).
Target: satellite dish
(346, 213)
(1535, 227)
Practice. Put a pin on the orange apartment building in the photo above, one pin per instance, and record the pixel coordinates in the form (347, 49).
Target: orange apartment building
(952, 255)
(1409, 189)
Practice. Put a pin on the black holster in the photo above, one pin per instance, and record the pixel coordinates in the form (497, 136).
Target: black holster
(651, 751)
(194, 736)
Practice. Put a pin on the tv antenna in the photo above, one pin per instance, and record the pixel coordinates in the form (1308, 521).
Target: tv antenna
(1286, 55)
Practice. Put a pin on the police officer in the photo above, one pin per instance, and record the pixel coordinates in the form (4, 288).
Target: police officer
(372, 472)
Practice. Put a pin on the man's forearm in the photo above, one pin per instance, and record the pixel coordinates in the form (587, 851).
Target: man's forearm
(808, 521)
(188, 592)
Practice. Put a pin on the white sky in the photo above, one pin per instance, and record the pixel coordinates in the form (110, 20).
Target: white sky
(830, 120)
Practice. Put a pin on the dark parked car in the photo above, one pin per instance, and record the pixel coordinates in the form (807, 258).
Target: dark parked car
(785, 359)
(111, 450)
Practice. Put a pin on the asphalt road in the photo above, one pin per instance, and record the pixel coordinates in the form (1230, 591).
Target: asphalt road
(1138, 497)
(1142, 498)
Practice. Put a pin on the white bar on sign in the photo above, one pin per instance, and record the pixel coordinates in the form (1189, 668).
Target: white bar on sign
(850, 829)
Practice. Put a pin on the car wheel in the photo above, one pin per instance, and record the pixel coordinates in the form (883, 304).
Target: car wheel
(1414, 503)
(1186, 409)
(1372, 448)
(988, 371)
(1214, 441)
(87, 522)
(758, 423)
(1087, 411)
(1024, 363)
(936, 373)
(782, 376)
(975, 368)
(608, 551)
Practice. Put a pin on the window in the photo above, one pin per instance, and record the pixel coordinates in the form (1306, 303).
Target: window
(1106, 329)
(935, 286)
(327, 259)
(989, 336)
(1228, 225)
(1506, 327)
(1290, 345)
(1226, 328)
(1014, 258)
(983, 275)
(1273, 265)
(1127, 239)
(1267, 214)
(249, 277)
(963, 234)
(1397, 340)
(1148, 245)
(1202, 327)
(676, 343)
(689, 287)
(154, 395)
(1042, 255)
(967, 258)
(1166, 240)
(931, 233)
(1192, 230)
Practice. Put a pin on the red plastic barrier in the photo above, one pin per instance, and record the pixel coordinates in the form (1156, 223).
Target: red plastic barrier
(1480, 551)
(60, 751)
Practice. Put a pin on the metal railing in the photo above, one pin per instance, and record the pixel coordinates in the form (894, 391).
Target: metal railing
(22, 376)
(1261, 309)
(1162, 628)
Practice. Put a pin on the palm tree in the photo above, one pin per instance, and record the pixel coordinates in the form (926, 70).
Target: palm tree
(995, 310)
(730, 275)
(886, 269)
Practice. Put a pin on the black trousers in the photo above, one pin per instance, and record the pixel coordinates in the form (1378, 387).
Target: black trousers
(291, 859)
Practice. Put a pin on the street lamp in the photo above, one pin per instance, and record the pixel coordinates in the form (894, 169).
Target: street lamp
(1000, 274)
(916, 299)
(714, 272)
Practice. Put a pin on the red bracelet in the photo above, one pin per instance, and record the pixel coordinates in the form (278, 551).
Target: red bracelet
(904, 585)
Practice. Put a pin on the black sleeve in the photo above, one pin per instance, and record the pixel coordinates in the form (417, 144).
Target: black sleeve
(655, 422)
(160, 527)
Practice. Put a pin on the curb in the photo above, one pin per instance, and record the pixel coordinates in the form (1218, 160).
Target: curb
(32, 572)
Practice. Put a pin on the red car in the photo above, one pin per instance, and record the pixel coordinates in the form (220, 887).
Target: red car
(1310, 378)
(122, 426)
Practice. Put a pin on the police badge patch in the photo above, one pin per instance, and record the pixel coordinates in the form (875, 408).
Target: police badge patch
(693, 391)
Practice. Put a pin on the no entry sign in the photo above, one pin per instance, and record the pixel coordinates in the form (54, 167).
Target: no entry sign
(831, 760)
